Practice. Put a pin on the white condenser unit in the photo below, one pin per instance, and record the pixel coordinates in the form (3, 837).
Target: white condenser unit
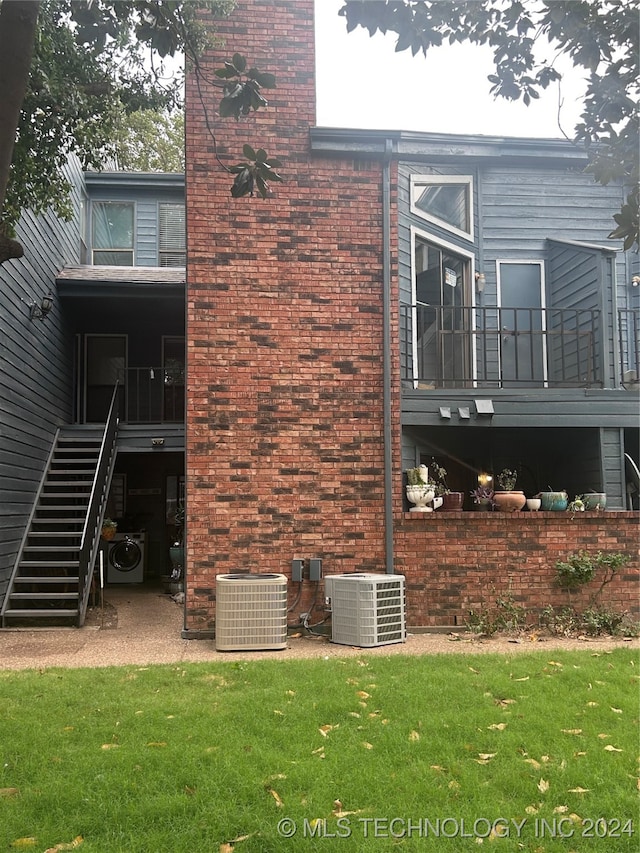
(366, 609)
(251, 612)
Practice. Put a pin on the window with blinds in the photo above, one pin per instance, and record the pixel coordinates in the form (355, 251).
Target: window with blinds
(171, 237)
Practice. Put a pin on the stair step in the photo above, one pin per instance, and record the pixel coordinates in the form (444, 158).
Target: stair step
(74, 471)
(51, 613)
(53, 564)
(55, 534)
(50, 596)
(54, 579)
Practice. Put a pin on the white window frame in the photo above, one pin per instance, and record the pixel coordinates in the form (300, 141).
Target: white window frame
(469, 256)
(543, 304)
(419, 182)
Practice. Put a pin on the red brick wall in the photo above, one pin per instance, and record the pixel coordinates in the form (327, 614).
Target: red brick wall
(284, 329)
(455, 562)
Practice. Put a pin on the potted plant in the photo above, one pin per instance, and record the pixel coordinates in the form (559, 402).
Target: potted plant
(483, 498)
(419, 491)
(451, 501)
(576, 505)
(595, 501)
(553, 501)
(507, 498)
(109, 528)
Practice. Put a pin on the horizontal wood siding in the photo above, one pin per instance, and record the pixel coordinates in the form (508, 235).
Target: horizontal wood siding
(35, 367)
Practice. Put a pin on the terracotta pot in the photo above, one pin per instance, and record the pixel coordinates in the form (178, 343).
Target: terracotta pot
(452, 502)
(108, 533)
(509, 501)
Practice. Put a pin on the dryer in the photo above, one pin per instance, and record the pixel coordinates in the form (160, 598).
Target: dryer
(126, 558)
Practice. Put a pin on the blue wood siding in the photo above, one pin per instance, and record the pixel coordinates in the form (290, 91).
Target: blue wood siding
(35, 366)
(146, 206)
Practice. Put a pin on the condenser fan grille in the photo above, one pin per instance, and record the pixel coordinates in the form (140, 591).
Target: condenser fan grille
(251, 612)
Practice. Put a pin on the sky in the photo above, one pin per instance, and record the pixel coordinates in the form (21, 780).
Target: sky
(363, 83)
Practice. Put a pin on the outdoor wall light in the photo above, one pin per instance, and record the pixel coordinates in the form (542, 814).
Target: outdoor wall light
(480, 281)
(40, 311)
(635, 281)
(484, 479)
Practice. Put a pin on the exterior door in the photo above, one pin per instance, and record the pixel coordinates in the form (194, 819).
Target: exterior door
(522, 323)
(105, 364)
(442, 346)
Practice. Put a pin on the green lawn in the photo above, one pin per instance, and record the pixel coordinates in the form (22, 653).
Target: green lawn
(534, 752)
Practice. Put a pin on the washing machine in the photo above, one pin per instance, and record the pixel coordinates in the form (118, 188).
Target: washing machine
(126, 558)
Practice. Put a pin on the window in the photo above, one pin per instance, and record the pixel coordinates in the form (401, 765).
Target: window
(446, 200)
(113, 233)
(171, 239)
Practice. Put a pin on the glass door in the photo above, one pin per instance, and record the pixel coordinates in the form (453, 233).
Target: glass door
(442, 316)
(522, 323)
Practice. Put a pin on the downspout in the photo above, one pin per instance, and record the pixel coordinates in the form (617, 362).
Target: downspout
(386, 358)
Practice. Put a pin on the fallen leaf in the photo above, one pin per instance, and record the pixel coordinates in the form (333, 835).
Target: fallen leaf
(363, 694)
(571, 731)
(453, 785)
(110, 746)
(157, 743)
(354, 714)
(318, 750)
(543, 786)
(610, 748)
(616, 710)
(324, 730)
(278, 776)
(579, 790)
(226, 848)
(560, 809)
(533, 763)
(554, 663)
(498, 727)
(603, 736)
(414, 736)
(23, 843)
(367, 745)
(9, 792)
(439, 768)
(486, 756)
(276, 797)
(475, 671)
(290, 692)
(592, 704)
(71, 845)
(525, 678)
(278, 713)
(531, 810)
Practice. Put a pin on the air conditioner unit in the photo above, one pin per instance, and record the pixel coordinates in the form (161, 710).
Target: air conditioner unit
(366, 609)
(251, 612)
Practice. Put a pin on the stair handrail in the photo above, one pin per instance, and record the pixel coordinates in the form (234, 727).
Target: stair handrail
(90, 542)
(27, 528)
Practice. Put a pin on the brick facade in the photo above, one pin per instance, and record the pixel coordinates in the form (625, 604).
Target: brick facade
(285, 450)
(457, 562)
(284, 333)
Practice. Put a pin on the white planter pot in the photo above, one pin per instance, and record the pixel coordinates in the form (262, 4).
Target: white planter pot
(420, 496)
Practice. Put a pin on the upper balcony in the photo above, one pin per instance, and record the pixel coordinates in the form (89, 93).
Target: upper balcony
(517, 348)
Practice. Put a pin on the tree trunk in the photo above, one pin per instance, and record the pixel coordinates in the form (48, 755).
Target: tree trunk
(18, 20)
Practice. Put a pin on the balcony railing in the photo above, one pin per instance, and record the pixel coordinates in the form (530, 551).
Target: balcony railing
(629, 336)
(464, 347)
(154, 395)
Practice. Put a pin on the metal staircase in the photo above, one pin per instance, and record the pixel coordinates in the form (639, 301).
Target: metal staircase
(52, 575)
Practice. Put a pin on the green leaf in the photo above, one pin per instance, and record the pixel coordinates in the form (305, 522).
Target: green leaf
(248, 152)
(239, 62)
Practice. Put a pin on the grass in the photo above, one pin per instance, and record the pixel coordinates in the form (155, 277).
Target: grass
(202, 758)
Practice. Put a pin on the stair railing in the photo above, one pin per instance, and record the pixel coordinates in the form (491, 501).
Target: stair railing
(90, 543)
(27, 529)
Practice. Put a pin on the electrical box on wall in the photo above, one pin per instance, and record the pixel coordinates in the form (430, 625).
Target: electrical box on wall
(296, 570)
(315, 570)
